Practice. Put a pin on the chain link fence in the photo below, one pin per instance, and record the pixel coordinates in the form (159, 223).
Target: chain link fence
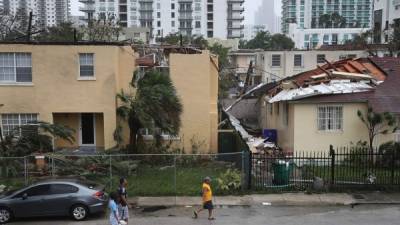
(147, 174)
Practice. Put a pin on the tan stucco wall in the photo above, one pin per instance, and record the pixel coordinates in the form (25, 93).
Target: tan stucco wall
(56, 88)
(302, 135)
(195, 77)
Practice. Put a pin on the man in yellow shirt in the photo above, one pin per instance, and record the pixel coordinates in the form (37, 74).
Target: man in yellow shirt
(207, 199)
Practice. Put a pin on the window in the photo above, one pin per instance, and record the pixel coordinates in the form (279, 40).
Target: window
(276, 60)
(56, 189)
(321, 58)
(158, 23)
(330, 118)
(172, 15)
(15, 67)
(298, 60)
(158, 15)
(10, 123)
(86, 64)
(38, 190)
(198, 24)
(172, 23)
(172, 6)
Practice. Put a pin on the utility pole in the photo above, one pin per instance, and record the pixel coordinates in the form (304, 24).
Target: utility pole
(29, 32)
(249, 72)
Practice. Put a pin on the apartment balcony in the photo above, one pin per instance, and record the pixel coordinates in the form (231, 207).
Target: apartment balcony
(146, 9)
(146, 18)
(146, 0)
(236, 8)
(236, 17)
(185, 17)
(87, 1)
(232, 36)
(185, 10)
(236, 27)
(396, 2)
(236, 1)
(87, 8)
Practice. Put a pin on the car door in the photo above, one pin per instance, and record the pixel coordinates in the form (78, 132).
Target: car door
(30, 202)
(60, 198)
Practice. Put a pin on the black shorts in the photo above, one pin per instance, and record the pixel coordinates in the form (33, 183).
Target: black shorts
(208, 205)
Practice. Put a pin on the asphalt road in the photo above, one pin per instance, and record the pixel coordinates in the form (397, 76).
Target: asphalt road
(254, 215)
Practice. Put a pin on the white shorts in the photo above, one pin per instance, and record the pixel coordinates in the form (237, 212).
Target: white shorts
(123, 212)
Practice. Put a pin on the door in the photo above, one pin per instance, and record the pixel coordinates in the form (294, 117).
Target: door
(31, 202)
(61, 198)
(87, 129)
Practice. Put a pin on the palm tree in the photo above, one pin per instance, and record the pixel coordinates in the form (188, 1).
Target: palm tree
(155, 105)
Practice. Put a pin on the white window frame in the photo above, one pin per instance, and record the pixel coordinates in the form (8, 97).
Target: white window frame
(301, 63)
(79, 67)
(19, 121)
(280, 61)
(14, 81)
(327, 119)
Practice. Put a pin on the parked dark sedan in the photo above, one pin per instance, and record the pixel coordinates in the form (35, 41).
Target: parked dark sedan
(59, 197)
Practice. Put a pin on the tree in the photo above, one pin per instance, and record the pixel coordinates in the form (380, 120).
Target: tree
(36, 137)
(199, 42)
(222, 54)
(62, 32)
(13, 26)
(264, 40)
(377, 123)
(155, 105)
(106, 28)
(394, 38)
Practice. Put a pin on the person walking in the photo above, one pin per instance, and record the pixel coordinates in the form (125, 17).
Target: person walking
(123, 200)
(207, 199)
(112, 205)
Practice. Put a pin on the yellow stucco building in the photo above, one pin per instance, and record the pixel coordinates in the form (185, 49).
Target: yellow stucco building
(75, 84)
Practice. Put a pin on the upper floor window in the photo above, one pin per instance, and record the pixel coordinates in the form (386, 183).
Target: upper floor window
(15, 67)
(330, 118)
(276, 60)
(86, 65)
(321, 58)
(298, 60)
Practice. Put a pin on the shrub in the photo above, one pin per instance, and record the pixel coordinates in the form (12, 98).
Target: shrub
(229, 182)
(390, 151)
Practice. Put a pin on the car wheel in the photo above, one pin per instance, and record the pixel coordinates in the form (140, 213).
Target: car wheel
(79, 212)
(5, 215)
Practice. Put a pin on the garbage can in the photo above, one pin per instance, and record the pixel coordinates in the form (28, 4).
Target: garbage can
(282, 170)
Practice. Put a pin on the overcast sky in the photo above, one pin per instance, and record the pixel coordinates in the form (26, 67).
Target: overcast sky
(250, 8)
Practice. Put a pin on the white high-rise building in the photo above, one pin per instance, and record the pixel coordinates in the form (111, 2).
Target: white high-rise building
(311, 23)
(209, 18)
(386, 13)
(266, 16)
(45, 12)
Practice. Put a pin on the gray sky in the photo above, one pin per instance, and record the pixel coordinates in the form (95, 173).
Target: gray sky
(249, 5)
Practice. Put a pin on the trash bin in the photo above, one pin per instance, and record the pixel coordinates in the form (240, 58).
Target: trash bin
(282, 170)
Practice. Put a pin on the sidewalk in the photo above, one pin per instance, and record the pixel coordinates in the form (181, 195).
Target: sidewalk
(285, 199)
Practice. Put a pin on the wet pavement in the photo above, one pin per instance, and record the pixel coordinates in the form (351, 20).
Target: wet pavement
(254, 215)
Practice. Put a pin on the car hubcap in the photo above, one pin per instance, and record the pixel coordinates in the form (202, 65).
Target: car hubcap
(79, 213)
(4, 216)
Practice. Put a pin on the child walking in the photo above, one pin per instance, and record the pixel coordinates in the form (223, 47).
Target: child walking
(112, 205)
(207, 199)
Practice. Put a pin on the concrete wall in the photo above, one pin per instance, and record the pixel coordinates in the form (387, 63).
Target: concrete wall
(57, 89)
(302, 134)
(195, 77)
(287, 68)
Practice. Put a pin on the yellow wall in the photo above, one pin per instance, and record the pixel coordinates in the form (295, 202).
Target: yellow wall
(302, 133)
(56, 88)
(195, 77)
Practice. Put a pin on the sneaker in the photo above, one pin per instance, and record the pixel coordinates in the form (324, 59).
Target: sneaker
(195, 215)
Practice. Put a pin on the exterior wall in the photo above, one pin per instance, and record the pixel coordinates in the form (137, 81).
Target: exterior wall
(274, 118)
(311, 139)
(195, 77)
(287, 68)
(385, 12)
(157, 16)
(57, 89)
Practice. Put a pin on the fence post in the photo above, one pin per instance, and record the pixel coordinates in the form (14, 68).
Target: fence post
(25, 171)
(332, 154)
(111, 186)
(175, 178)
(392, 167)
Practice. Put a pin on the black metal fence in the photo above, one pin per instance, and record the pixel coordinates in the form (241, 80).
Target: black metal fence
(340, 169)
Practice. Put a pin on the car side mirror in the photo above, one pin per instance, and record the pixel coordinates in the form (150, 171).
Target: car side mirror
(24, 196)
